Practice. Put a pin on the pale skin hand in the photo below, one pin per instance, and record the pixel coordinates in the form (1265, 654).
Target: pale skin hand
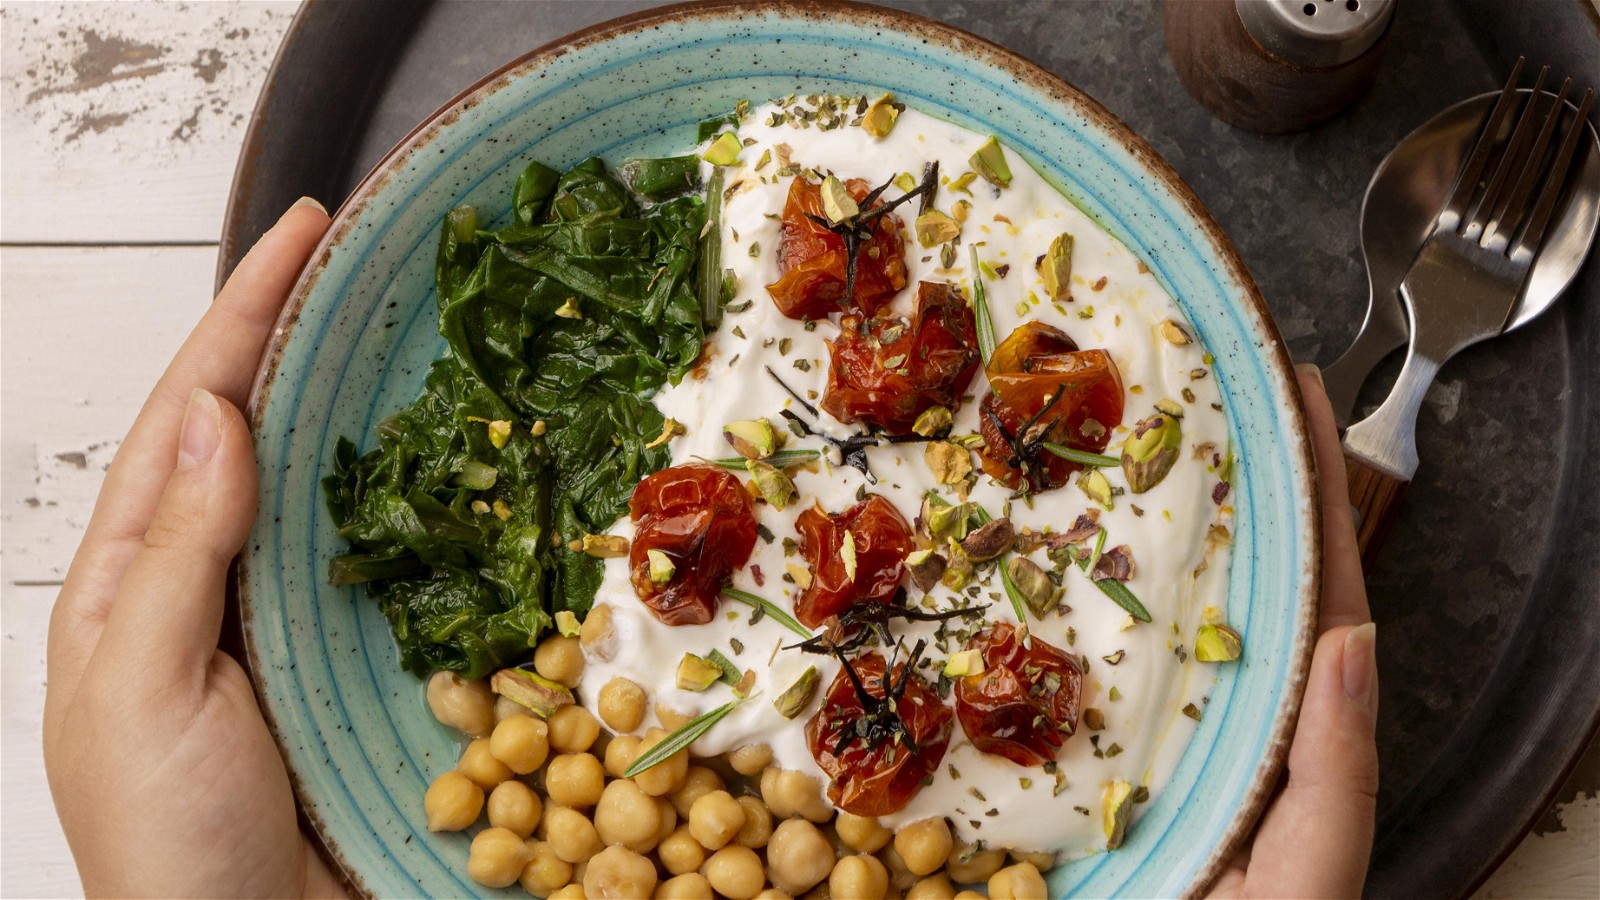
(165, 777)
(1316, 836)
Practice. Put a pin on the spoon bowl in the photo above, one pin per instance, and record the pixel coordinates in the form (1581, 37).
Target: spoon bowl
(1398, 212)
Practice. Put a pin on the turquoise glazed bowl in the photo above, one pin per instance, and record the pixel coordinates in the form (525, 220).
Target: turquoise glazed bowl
(359, 333)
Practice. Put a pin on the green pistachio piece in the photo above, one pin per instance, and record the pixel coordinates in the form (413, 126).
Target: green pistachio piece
(794, 700)
(1095, 486)
(1217, 643)
(935, 421)
(990, 162)
(837, 204)
(775, 487)
(1116, 813)
(570, 310)
(1056, 268)
(696, 673)
(959, 570)
(661, 566)
(950, 464)
(935, 228)
(946, 522)
(670, 428)
(905, 182)
(963, 663)
(1171, 407)
(1150, 451)
(603, 546)
(1174, 333)
(499, 433)
(567, 624)
(1033, 582)
(847, 552)
(724, 151)
(989, 540)
(752, 439)
(528, 689)
(881, 115)
(925, 567)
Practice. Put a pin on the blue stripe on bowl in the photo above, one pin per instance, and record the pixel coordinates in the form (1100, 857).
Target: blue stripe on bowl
(356, 733)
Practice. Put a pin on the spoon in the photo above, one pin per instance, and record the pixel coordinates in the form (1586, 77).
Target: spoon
(1397, 214)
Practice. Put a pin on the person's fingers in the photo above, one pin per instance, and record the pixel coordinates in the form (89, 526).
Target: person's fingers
(1316, 838)
(220, 356)
(1344, 592)
(168, 610)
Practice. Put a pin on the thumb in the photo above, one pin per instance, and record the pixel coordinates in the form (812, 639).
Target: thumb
(1330, 800)
(168, 610)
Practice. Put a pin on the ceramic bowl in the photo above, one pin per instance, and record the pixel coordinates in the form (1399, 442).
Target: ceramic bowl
(359, 333)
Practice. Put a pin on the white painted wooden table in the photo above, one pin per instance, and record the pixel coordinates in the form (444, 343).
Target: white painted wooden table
(120, 126)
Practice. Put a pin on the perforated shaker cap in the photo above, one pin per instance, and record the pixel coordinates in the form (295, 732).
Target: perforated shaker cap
(1315, 33)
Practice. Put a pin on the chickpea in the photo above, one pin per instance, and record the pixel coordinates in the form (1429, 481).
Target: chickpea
(1019, 882)
(789, 794)
(679, 852)
(1043, 860)
(899, 876)
(669, 820)
(521, 742)
(735, 872)
(572, 729)
(715, 818)
(464, 705)
(570, 892)
(505, 708)
(799, 857)
(773, 894)
(452, 802)
(862, 834)
(572, 835)
(664, 778)
(626, 815)
(924, 845)
(697, 782)
(620, 754)
(622, 705)
(559, 659)
(858, 877)
(934, 887)
(595, 635)
(670, 718)
(575, 780)
(544, 871)
(617, 873)
(478, 764)
(497, 857)
(970, 895)
(688, 886)
(750, 759)
(516, 808)
(970, 866)
(757, 827)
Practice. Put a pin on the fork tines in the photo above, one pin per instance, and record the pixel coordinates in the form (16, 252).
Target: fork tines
(1491, 210)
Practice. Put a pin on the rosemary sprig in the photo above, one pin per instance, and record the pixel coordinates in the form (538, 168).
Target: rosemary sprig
(1019, 604)
(767, 607)
(686, 734)
(980, 310)
(1083, 457)
(711, 252)
(782, 459)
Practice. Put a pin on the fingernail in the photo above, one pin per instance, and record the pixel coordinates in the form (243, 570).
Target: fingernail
(1309, 369)
(1360, 664)
(311, 202)
(202, 429)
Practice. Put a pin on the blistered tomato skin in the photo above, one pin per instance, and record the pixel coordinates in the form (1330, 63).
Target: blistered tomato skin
(886, 372)
(870, 779)
(881, 537)
(702, 519)
(1015, 708)
(1027, 371)
(812, 260)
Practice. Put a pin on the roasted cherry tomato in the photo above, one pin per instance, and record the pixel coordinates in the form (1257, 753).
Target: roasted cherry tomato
(812, 259)
(1043, 388)
(881, 538)
(701, 518)
(886, 372)
(874, 774)
(1024, 704)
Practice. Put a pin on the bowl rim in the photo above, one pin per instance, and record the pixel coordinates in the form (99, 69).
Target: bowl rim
(1268, 772)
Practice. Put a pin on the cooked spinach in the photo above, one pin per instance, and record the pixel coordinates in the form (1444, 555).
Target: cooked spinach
(562, 323)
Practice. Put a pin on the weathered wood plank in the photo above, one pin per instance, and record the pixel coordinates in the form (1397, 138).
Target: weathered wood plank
(122, 121)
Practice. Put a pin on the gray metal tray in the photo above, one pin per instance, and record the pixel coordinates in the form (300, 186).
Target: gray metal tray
(1485, 595)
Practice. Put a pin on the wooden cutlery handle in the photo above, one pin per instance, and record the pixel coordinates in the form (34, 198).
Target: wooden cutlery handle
(1375, 496)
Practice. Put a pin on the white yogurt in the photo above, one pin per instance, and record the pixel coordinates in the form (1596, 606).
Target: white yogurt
(1168, 541)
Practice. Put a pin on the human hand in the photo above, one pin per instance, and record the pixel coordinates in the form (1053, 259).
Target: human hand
(1316, 836)
(164, 774)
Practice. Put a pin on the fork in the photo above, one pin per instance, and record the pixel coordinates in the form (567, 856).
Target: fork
(1463, 285)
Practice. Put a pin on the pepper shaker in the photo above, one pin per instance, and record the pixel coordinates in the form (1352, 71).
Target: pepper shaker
(1277, 66)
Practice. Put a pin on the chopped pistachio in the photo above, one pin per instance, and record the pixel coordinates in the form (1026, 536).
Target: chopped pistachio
(880, 117)
(752, 439)
(538, 428)
(1217, 643)
(604, 546)
(1170, 406)
(1192, 711)
(661, 566)
(950, 464)
(724, 151)
(1150, 451)
(775, 487)
(696, 673)
(1034, 584)
(837, 204)
(946, 522)
(1055, 267)
(925, 567)
(1095, 486)
(935, 228)
(1117, 813)
(933, 422)
(528, 689)
(800, 575)
(905, 182)
(794, 700)
(570, 310)
(1094, 719)
(959, 210)
(499, 433)
(1114, 658)
(963, 182)
(847, 552)
(746, 682)
(1175, 333)
(990, 540)
(963, 663)
(567, 624)
(480, 507)
(990, 162)
(502, 510)
(1114, 695)
(670, 429)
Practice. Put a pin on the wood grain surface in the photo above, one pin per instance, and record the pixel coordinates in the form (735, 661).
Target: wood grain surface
(1375, 496)
(119, 131)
